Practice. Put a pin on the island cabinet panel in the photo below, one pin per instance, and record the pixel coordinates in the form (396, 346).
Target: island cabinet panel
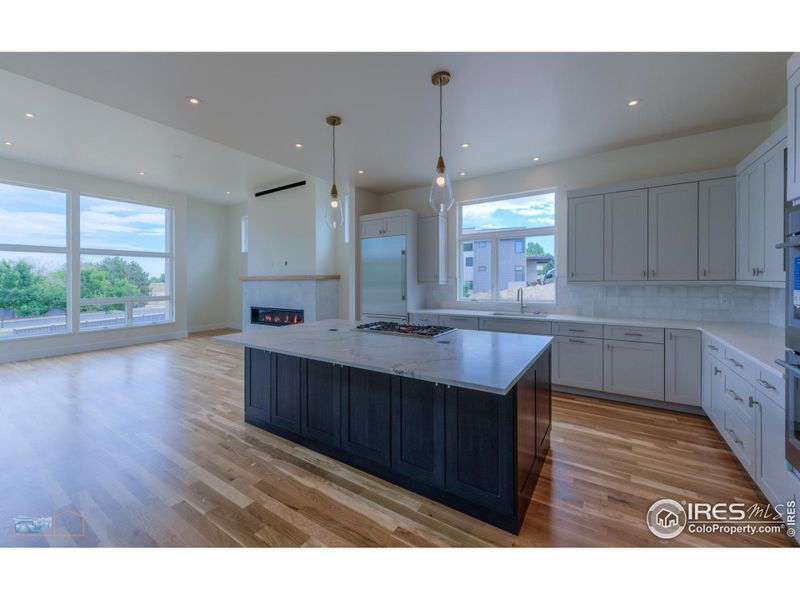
(544, 406)
(366, 414)
(320, 406)
(418, 430)
(257, 384)
(286, 393)
(480, 448)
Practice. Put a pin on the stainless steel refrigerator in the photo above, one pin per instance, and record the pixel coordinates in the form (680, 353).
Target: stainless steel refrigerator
(384, 278)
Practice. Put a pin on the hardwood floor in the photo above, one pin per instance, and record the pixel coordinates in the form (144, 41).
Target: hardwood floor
(148, 443)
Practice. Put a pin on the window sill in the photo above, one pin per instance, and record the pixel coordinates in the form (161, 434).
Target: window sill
(50, 336)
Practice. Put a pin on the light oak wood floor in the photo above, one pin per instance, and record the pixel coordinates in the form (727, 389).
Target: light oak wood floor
(148, 443)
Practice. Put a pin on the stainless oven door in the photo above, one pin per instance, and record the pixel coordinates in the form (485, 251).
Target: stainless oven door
(791, 247)
(792, 366)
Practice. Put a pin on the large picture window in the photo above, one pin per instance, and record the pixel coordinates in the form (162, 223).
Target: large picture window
(33, 261)
(508, 244)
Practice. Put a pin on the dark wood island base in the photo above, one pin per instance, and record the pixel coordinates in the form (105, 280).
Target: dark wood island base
(477, 452)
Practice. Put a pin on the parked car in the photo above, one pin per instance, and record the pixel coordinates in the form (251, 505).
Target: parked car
(548, 277)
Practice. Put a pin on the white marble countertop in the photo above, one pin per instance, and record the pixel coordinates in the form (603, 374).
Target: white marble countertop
(488, 361)
(762, 342)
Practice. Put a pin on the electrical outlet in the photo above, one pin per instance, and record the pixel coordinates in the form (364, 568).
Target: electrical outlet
(725, 297)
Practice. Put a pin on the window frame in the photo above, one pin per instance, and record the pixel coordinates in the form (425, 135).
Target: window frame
(495, 237)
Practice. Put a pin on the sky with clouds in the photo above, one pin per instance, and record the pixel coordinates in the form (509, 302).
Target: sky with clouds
(37, 217)
(516, 213)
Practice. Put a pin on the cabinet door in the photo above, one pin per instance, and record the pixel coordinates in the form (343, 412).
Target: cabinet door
(320, 392)
(744, 269)
(718, 394)
(625, 236)
(257, 374)
(755, 218)
(480, 448)
(585, 239)
(418, 429)
(634, 369)
(773, 214)
(683, 367)
(672, 237)
(516, 325)
(717, 230)
(394, 226)
(544, 406)
(771, 468)
(459, 322)
(371, 228)
(366, 414)
(793, 123)
(578, 362)
(431, 245)
(286, 380)
(423, 319)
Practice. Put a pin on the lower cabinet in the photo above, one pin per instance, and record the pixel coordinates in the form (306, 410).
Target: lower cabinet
(578, 362)
(320, 403)
(257, 384)
(714, 390)
(683, 367)
(771, 471)
(634, 369)
(366, 414)
(284, 403)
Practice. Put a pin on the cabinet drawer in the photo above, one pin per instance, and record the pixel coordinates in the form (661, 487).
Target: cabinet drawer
(578, 362)
(713, 347)
(633, 334)
(516, 326)
(423, 319)
(741, 364)
(741, 440)
(459, 322)
(739, 398)
(590, 330)
(773, 386)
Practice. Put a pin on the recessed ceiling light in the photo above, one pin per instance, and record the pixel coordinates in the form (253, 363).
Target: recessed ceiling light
(193, 100)
(30, 116)
(298, 145)
(536, 158)
(463, 173)
(465, 145)
(227, 193)
(361, 171)
(8, 143)
(141, 173)
(634, 102)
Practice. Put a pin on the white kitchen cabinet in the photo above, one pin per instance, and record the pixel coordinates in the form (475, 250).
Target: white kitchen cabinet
(516, 325)
(793, 124)
(683, 367)
(634, 369)
(771, 469)
(432, 249)
(759, 213)
(578, 362)
(459, 322)
(585, 238)
(672, 232)
(379, 225)
(741, 440)
(716, 225)
(625, 236)
(423, 319)
(714, 390)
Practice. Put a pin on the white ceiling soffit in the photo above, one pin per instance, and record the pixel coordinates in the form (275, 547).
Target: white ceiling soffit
(73, 133)
(508, 107)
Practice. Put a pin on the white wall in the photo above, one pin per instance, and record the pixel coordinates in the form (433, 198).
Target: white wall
(206, 265)
(236, 264)
(79, 183)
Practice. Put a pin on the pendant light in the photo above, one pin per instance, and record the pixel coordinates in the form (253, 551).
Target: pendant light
(441, 197)
(333, 212)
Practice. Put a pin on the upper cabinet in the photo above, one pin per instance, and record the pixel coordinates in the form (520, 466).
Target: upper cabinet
(793, 124)
(760, 195)
(716, 222)
(626, 236)
(672, 232)
(432, 244)
(585, 238)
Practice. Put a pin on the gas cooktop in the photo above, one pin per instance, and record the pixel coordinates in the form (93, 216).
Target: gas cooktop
(423, 331)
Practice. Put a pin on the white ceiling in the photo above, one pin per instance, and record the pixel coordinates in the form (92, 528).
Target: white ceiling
(509, 107)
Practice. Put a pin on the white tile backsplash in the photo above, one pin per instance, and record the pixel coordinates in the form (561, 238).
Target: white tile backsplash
(730, 303)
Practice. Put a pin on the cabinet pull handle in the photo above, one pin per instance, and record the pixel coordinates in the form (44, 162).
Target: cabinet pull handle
(705, 272)
(577, 330)
(751, 402)
(633, 334)
(712, 347)
(577, 341)
(754, 271)
(766, 384)
(717, 370)
(653, 273)
(734, 437)
(571, 274)
(644, 274)
(734, 395)
(735, 363)
(608, 346)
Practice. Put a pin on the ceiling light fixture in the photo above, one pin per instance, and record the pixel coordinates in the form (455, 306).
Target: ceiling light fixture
(8, 143)
(361, 171)
(227, 193)
(441, 196)
(536, 158)
(333, 212)
(634, 102)
(462, 173)
(30, 116)
(465, 145)
(298, 145)
(141, 173)
(193, 100)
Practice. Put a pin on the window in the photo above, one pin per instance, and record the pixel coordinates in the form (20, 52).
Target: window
(514, 247)
(125, 264)
(245, 222)
(33, 261)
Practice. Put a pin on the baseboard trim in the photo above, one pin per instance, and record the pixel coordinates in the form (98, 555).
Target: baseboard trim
(201, 328)
(92, 346)
(660, 404)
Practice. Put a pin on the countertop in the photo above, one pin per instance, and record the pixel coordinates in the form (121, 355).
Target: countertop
(487, 361)
(762, 342)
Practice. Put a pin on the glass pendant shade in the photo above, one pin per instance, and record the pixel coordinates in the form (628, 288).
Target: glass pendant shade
(334, 216)
(441, 196)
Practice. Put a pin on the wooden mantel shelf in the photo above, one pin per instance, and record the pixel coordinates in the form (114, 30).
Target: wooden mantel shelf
(288, 277)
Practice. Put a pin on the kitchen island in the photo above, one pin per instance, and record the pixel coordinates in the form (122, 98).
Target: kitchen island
(463, 419)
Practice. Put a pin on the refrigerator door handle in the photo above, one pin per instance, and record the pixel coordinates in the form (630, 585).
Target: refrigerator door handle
(403, 262)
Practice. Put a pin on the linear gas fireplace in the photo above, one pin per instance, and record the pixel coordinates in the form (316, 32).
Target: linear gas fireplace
(275, 317)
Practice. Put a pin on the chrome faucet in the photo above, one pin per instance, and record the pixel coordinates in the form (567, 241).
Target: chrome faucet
(521, 298)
